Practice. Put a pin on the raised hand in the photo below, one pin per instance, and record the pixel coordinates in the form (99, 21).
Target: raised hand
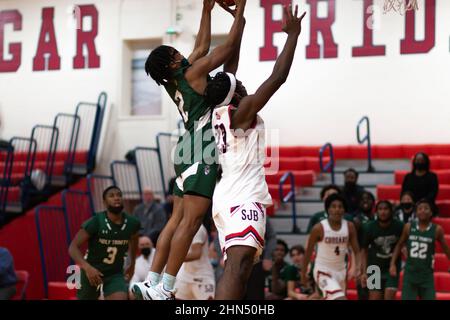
(227, 8)
(291, 23)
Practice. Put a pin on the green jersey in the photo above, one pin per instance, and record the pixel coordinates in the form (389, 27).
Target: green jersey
(381, 243)
(421, 245)
(108, 242)
(191, 105)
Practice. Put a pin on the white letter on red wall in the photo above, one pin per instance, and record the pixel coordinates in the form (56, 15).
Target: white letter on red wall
(15, 49)
(87, 38)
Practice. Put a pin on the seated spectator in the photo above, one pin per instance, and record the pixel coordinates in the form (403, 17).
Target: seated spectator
(8, 277)
(150, 214)
(405, 211)
(144, 261)
(280, 273)
(352, 191)
(195, 280)
(421, 182)
(294, 289)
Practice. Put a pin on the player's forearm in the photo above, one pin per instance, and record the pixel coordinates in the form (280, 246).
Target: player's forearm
(284, 62)
(238, 25)
(396, 254)
(232, 64)
(203, 41)
(77, 256)
(364, 254)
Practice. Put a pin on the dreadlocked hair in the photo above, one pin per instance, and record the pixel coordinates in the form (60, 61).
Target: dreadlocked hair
(157, 65)
(217, 89)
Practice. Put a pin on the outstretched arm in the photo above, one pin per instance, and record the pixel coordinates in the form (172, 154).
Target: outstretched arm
(232, 64)
(196, 75)
(251, 105)
(203, 41)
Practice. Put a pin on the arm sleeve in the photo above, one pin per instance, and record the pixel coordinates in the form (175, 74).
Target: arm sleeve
(91, 226)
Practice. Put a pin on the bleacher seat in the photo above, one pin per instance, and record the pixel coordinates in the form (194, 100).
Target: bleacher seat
(302, 178)
(441, 263)
(392, 192)
(444, 223)
(60, 291)
(442, 281)
(438, 244)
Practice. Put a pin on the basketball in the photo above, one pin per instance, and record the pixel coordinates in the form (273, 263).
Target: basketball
(229, 3)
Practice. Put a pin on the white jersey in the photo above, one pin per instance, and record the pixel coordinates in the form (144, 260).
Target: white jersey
(200, 269)
(333, 248)
(241, 157)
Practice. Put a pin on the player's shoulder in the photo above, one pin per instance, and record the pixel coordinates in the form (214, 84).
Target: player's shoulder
(131, 219)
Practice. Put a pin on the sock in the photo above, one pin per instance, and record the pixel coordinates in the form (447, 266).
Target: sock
(168, 282)
(154, 278)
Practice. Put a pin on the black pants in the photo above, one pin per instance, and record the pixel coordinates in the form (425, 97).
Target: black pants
(7, 293)
(255, 284)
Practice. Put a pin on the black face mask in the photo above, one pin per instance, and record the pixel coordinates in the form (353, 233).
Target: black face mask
(115, 210)
(421, 166)
(146, 252)
(406, 206)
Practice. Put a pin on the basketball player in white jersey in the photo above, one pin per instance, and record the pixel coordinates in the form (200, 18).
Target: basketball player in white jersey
(195, 280)
(333, 237)
(241, 196)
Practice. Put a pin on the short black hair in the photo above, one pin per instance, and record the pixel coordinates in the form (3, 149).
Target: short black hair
(335, 197)
(327, 188)
(386, 202)
(297, 247)
(370, 194)
(429, 202)
(425, 157)
(108, 189)
(407, 193)
(284, 244)
(351, 170)
(158, 63)
(217, 89)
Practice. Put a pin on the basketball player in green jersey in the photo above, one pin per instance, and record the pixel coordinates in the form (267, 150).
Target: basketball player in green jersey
(110, 234)
(420, 237)
(379, 238)
(185, 81)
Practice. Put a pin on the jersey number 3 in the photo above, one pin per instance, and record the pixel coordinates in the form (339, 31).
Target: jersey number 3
(112, 251)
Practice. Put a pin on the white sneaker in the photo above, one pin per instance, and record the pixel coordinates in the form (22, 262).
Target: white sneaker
(159, 293)
(139, 289)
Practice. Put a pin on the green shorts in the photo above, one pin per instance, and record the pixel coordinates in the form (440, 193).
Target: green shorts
(387, 282)
(198, 179)
(196, 163)
(422, 288)
(111, 284)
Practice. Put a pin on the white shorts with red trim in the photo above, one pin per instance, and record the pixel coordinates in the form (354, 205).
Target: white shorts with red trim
(243, 225)
(332, 283)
